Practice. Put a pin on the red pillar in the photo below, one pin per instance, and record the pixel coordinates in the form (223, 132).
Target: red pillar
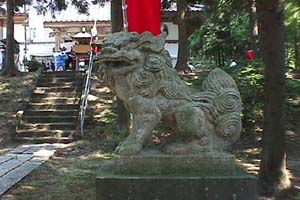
(144, 15)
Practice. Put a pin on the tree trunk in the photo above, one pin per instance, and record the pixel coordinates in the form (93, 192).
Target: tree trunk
(10, 68)
(273, 174)
(117, 26)
(182, 57)
(116, 16)
(254, 25)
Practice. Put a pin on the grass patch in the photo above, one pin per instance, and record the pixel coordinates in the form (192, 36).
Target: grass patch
(14, 94)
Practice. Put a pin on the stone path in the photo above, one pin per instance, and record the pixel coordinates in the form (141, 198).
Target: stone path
(21, 161)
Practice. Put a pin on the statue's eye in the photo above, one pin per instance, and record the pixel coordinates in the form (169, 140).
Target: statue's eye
(154, 63)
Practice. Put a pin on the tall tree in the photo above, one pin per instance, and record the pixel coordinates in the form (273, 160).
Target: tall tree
(187, 24)
(182, 57)
(116, 16)
(10, 67)
(254, 24)
(273, 174)
(117, 26)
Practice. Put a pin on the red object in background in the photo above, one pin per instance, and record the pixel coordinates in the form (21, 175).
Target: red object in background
(250, 54)
(96, 49)
(144, 15)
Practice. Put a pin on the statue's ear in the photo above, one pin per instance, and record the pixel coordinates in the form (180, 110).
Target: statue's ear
(163, 36)
(154, 43)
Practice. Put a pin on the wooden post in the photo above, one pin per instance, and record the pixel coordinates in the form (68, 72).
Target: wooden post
(57, 39)
(1, 29)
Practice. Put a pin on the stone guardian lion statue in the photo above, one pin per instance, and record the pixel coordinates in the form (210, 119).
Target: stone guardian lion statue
(139, 70)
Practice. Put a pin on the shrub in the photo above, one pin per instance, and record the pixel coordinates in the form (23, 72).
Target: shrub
(32, 65)
(250, 80)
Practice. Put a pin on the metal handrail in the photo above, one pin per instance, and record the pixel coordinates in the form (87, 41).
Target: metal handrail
(85, 94)
(90, 67)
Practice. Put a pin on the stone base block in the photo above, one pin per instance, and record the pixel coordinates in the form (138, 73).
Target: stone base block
(204, 164)
(176, 188)
(195, 177)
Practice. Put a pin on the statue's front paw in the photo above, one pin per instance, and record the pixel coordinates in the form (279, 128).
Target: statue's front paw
(185, 149)
(128, 149)
(204, 142)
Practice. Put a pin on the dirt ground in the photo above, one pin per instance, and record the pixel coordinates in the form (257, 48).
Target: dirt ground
(70, 174)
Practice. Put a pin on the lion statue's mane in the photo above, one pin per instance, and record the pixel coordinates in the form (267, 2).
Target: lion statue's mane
(139, 70)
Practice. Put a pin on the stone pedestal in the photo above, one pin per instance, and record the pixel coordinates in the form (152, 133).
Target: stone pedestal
(212, 176)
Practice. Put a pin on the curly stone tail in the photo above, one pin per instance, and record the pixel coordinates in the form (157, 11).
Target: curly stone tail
(226, 105)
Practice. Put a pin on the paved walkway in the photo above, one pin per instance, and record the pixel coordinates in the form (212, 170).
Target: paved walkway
(21, 161)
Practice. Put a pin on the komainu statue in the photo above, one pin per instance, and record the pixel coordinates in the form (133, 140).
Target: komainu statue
(139, 71)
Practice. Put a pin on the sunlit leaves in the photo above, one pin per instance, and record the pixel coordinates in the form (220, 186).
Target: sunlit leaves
(227, 30)
(52, 6)
(292, 22)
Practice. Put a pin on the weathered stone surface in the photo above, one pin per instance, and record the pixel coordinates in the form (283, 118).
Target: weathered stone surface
(13, 177)
(22, 157)
(19, 162)
(33, 149)
(5, 158)
(211, 176)
(44, 153)
(20, 149)
(139, 70)
(204, 164)
(9, 165)
(135, 187)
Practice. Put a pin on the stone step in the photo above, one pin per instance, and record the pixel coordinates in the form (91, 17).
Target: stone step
(56, 89)
(50, 113)
(49, 119)
(62, 84)
(58, 100)
(60, 79)
(47, 106)
(48, 133)
(40, 140)
(63, 73)
(55, 94)
(46, 126)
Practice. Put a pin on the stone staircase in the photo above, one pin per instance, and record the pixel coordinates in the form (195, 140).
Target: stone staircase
(52, 112)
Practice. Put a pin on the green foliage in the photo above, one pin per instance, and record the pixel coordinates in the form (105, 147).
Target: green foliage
(292, 22)
(293, 88)
(250, 80)
(32, 65)
(293, 104)
(224, 35)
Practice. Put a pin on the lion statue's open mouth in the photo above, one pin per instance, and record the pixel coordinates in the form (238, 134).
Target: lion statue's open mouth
(142, 76)
(117, 61)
